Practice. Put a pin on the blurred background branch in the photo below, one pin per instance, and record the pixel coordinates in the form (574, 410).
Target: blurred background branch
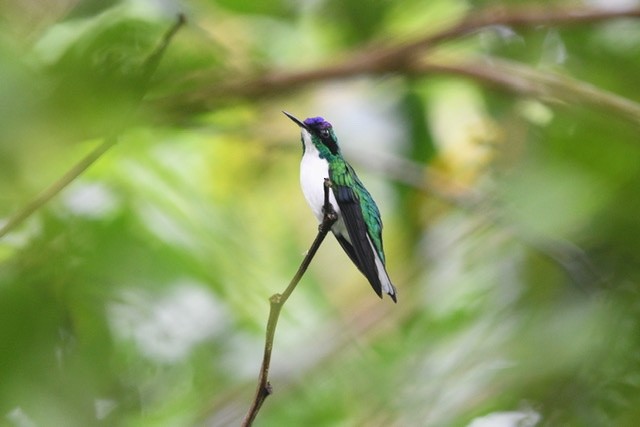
(406, 59)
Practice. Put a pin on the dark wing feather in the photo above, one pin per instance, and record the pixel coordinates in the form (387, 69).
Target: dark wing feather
(349, 250)
(361, 252)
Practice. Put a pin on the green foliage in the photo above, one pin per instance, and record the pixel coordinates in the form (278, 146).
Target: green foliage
(271, 8)
(357, 22)
(138, 296)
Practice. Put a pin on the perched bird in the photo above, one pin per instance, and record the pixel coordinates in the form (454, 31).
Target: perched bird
(359, 227)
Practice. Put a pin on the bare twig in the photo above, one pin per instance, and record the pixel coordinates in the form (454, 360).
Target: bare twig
(151, 63)
(277, 301)
(406, 58)
(148, 69)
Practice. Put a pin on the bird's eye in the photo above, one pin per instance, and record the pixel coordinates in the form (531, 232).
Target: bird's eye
(324, 133)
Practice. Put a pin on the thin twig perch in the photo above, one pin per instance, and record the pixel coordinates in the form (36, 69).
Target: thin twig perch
(277, 301)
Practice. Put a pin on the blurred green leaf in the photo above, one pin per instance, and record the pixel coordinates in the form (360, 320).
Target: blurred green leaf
(357, 22)
(98, 79)
(273, 8)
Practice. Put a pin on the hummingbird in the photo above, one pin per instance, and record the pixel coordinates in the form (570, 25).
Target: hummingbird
(359, 226)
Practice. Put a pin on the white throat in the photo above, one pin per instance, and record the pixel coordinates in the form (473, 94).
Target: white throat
(313, 171)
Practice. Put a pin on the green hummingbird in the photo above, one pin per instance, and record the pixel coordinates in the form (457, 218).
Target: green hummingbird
(359, 226)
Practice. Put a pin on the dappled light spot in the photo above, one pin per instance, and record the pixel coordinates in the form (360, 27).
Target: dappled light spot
(92, 200)
(166, 327)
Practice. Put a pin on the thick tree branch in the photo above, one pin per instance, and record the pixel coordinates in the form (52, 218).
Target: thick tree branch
(520, 18)
(277, 301)
(148, 69)
(407, 59)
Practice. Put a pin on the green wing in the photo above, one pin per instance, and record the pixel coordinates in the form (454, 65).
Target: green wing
(362, 219)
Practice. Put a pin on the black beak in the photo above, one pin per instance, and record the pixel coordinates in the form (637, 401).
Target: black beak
(296, 121)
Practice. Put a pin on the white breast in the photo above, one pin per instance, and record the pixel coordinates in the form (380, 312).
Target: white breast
(313, 171)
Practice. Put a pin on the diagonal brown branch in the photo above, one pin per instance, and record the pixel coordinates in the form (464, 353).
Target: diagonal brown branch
(519, 18)
(277, 301)
(399, 59)
(148, 69)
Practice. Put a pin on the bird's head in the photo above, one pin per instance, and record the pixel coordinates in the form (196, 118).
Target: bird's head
(319, 132)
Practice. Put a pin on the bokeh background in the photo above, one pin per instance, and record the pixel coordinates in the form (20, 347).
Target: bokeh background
(504, 153)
